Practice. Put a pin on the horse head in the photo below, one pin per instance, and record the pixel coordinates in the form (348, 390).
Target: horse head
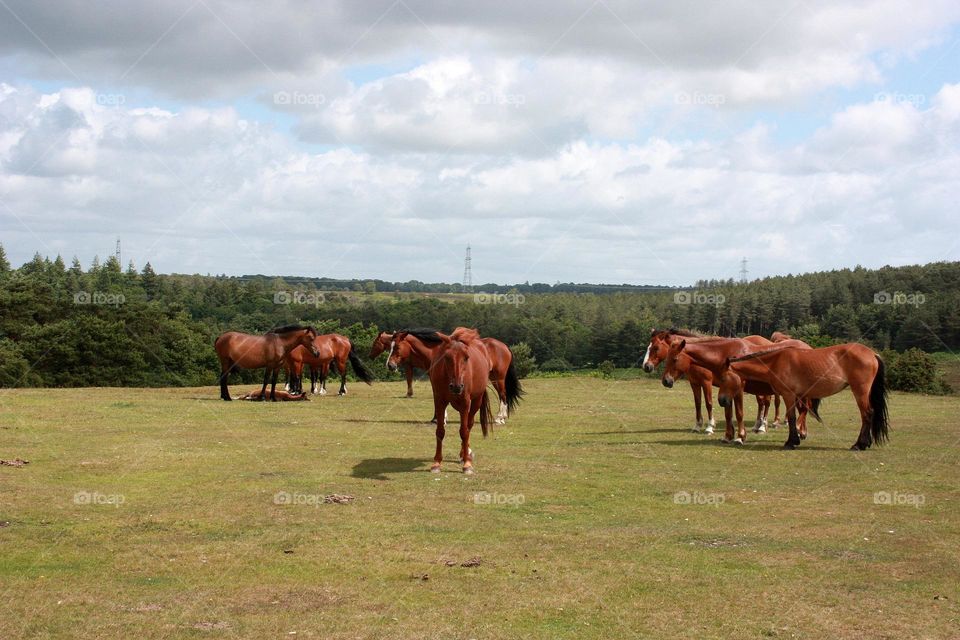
(454, 359)
(656, 350)
(380, 344)
(730, 383)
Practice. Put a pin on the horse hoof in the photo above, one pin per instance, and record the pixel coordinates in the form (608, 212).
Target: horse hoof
(726, 440)
(435, 468)
(760, 429)
(695, 429)
(468, 471)
(738, 441)
(708, 431)
(789, 446)
(803, 436)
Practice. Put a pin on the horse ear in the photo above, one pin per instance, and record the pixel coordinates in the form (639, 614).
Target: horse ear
(653, 332)
(683, 343)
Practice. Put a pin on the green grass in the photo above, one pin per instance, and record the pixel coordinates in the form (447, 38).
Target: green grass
(598, 548)
(949, 364)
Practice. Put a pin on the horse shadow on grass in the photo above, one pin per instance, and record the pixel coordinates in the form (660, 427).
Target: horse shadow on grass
(378, 468)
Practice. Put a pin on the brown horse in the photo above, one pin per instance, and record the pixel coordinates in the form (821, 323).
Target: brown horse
(816, 373)
(329, 348)
(701, 379)
(779, 336)
(459, 375)
(382, 343)
(282, 396)
(244, 351)
(419, 348)
(712, 354)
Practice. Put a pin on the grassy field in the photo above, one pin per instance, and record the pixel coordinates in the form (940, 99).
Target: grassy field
(594, 513)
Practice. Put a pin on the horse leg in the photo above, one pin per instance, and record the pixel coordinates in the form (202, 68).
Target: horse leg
(695, 387)
(763, 405)
(776, 412)
(324, 370)
(802, 418)
(741, 429)
(409, 380)
(502, 395)
(266, 381)
(466, 423)
(708, 400)
(728, 417)
(343, 376)
(790, 405)
(865, 439)
(273, 384)
(439, 410)
(225, 368)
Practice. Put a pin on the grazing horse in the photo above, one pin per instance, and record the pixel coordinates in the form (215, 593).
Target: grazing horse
(244, 351)
(329, 348)
(382, 343)
(816, 373)
(419, 347)
(712, 354)
(459, 375)
(701, 379)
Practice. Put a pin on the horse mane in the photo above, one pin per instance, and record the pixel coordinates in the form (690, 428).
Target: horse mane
(430, 336)
(290, 327)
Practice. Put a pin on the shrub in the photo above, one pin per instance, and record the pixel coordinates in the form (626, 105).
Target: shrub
(606, 368)
(914, 370)
(556, 364)
(523, 360)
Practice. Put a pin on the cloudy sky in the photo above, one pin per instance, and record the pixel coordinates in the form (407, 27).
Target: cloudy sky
(586, 141)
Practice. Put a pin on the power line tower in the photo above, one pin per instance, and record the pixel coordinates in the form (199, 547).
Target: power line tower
(743, 270)
(467, 273)
(118, 252)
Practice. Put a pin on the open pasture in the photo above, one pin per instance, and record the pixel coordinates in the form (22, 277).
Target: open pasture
(594, 513)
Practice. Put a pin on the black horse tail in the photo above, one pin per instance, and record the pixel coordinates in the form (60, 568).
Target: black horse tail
(815, 409)
(514, 389)
(358, 367)
(880, 426)
(486, 414)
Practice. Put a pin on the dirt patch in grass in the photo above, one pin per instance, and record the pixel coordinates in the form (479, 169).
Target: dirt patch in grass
(16, 462)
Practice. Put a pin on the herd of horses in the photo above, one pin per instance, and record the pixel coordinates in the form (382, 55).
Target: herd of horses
(463, 364)
(460, 367)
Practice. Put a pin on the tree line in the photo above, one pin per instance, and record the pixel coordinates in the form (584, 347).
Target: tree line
(108, 325)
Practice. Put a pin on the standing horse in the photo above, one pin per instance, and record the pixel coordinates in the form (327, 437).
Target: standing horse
(712, 354)
(244, 351)
(816, 373)
(329, 348)
(459, 375)
(701, 379)
(419, 347)
(382, 343)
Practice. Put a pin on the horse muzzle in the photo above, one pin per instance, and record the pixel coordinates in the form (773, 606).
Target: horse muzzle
(456, 389)
(648, 367)
(392, 366)
(724, 400)
(667, 382)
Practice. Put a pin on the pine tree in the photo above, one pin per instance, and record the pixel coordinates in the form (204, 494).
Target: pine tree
(4, 263)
